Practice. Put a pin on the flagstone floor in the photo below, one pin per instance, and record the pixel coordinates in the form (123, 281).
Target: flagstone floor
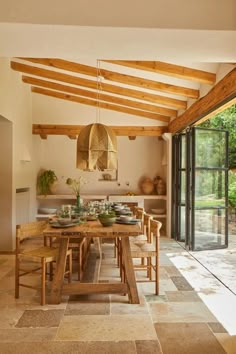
(195, 312)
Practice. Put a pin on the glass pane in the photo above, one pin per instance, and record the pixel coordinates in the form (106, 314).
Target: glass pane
(209, 189)
(210, 148)
(209, 229)
(182, 224)
(183, 187)
(183, 151)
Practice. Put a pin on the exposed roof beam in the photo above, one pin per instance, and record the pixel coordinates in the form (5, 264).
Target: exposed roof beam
(222, 92)
(116, 77)
(72, 130)
(74, 80)
(173, 70)
(78, 99)
(99, 96)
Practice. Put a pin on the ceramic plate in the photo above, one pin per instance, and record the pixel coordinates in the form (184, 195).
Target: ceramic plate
(131, 222)
(56, 224)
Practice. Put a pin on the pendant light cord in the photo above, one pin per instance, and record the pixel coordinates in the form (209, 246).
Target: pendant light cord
(99, 88)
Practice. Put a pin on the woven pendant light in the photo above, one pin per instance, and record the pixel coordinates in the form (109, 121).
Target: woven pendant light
(96, 148)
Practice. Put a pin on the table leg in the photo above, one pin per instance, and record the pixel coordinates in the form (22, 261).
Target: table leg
(58, 277)
(129, 270)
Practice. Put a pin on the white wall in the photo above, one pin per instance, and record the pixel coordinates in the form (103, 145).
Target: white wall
(15, 107)
(136, 158)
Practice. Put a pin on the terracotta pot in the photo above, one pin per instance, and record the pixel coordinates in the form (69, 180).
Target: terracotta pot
(160, 187)
(147, 186)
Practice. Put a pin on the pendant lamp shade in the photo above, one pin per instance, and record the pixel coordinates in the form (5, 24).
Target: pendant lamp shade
(96, 148)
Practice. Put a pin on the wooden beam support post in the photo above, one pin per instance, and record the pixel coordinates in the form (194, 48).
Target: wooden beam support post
(222, 92)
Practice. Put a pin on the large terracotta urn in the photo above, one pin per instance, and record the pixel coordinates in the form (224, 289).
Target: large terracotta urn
(147, 186)
(160, 186)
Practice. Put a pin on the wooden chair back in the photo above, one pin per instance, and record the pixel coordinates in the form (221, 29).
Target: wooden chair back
(29, 230)
(146, 226)
(155, 227)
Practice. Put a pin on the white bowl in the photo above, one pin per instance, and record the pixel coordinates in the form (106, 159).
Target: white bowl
(47, 211)
(126, 217)
(64, 221)
(158, 211)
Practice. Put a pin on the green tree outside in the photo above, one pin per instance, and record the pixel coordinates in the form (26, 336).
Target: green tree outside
(226, 120)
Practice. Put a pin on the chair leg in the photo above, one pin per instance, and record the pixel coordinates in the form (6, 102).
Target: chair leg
(157, 275)
(80, 261)
(43, 282)
(70, 267)
(17, 279)
(115, 248)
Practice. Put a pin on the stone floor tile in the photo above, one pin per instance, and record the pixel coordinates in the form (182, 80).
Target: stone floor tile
(27, 335)
(119, 307)
(181, 283)
(187, 338)
(156, 298)
(40, 318)
(181, 312)
(148, 346)
(217, 327)
(182, 296)
(166, 285)
(228, 342)
(103, 328)
(87, 308)
(9, 317)
(172, 271)
(68, 347)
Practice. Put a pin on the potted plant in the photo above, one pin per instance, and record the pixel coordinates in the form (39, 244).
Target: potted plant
(107, 219)
(45, 180)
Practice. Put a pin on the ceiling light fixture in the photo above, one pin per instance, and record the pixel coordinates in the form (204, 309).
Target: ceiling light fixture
(97, 143)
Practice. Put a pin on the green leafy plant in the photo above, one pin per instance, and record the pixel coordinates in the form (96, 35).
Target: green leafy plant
(75, 184)
(45, 180)
(232, 195)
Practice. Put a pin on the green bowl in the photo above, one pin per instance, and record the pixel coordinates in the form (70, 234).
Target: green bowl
(107, 221)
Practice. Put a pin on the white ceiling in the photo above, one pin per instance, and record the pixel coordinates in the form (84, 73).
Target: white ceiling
(175, 14)
(197, 34)
(168, 30)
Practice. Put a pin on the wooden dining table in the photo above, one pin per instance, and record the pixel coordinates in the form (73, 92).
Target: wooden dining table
(94, 229)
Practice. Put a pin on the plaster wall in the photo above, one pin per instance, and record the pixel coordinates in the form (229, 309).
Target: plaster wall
(15, 109)
(136, 158)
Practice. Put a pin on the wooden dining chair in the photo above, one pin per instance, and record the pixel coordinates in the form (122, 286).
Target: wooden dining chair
(33, 259)
(149, 251)
(80, 251)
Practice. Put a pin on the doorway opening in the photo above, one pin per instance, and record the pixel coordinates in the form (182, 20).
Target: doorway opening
(204, 193)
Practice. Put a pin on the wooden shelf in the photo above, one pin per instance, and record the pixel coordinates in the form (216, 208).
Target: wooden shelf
(159, 216)
(70, 196)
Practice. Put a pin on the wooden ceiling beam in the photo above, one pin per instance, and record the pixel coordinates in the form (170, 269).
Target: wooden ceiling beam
(86, 101)
(221, 93)
(99, 96)
(181, 72)
(75, 80)
(116, 77)
(74, 130)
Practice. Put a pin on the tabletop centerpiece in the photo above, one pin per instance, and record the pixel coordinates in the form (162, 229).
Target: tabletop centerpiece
(75, 185)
